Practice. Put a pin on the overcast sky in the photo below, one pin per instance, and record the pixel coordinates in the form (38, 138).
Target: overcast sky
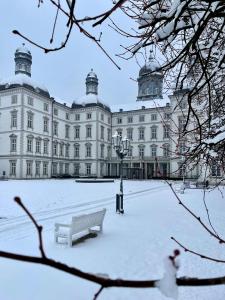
(64, 72)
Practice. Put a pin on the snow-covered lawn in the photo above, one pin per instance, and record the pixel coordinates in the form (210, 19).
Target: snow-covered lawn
(132, 246)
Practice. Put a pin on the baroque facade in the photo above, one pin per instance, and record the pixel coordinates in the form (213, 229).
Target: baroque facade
(41, 137)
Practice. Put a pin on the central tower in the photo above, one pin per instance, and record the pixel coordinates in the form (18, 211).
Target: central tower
(150, 80)
(23, 61)
(91, 83)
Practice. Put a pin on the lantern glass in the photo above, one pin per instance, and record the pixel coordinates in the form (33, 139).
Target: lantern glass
(116, 140)
(126, 144)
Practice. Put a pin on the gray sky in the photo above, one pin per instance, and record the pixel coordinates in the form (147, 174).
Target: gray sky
(64, 72)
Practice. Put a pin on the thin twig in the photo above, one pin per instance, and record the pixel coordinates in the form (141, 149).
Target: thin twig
(38, 227)
(197, 253)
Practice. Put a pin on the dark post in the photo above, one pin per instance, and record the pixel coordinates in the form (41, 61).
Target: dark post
(121, 147)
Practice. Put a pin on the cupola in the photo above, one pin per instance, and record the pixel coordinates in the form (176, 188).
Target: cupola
(91, 83)
(23, 61)
(150, 80)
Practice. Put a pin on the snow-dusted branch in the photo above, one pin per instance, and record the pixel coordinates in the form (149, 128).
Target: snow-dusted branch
(106, 282)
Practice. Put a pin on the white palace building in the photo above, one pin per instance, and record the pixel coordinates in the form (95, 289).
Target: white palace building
(42, 138)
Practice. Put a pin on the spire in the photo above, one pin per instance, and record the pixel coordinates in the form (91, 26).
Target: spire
(23, 61)
(91, 83)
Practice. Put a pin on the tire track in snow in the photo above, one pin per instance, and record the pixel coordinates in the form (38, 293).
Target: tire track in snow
(20, 222)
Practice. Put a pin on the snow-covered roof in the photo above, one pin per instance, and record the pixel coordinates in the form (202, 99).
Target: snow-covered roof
(90, 98)
(92, 74)
(155, 103)
(60, 101)
(23, 49)
(22, 79)
(151, 66)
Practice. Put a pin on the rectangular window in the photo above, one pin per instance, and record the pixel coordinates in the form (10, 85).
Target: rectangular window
(88, 169)
(88, 116)
(13, 141)
(67, 131)
(45, 168)
(119, 120)
(14, 99)
(154, 151)
(30, 101)
(130, 119)
(55, 128)
(141, 134)
(109, 120)
(60, 168)
(181, 123)
(67, 116)
(77, 117)
(166, 116)
(102, 117)
(67, 151)
(183, 103)
(141, 152)
(76, 169)
(141, 118)
(12, 167)
(55, 111)
(166, 132)
(88, 151)
(108, 151)
(29, 145)
(37, 168)
(102, 151)
(45, 125)
(54, 168)
(45, 106)
(102, 132)
(166, 150)
(76, 151)
(119, 131)
(29, 168)
(77, 132)
(61, 149)
(66, 168)
(154, 117)
(55, 148)
(130, 134)
(108, 134)
(153, 132)
(182, 147)
(216, 170)
(130, 152)
(45, 147)
(38, 146)
(30, 120)
(88, 131)
(14, 119)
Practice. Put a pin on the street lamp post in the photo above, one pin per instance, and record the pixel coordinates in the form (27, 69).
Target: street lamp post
(121, 146)
(183, 173)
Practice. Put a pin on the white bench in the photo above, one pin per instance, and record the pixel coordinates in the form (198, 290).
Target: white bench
(79, 224)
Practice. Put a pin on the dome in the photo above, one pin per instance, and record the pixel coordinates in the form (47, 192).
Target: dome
(89, 99)
(152, 66)
(23, 49)
(25, 81)
(92, 74)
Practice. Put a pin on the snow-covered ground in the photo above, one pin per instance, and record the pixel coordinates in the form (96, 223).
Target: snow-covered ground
(132, 246)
